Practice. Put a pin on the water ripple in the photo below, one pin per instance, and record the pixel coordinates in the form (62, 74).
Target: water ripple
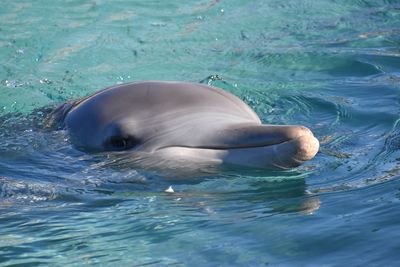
(332, 66)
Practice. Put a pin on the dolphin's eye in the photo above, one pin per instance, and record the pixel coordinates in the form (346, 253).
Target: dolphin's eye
(118, 142)
(121, 143)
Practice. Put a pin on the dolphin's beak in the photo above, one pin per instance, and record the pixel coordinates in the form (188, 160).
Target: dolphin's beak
(244, 136)
(275, 146)
(272, 146)
(260, 146)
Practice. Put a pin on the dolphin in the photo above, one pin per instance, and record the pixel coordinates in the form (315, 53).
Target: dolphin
(182, 121)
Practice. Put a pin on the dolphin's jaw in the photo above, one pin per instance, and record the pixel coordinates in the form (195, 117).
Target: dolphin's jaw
(307, 147)
(301, 147)
(295, 152)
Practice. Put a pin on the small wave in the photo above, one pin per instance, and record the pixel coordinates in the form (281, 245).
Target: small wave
(15, 190)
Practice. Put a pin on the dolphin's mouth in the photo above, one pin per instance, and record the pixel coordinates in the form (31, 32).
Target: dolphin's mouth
(263, 146)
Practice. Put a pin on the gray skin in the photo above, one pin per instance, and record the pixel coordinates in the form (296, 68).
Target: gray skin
(185, 122)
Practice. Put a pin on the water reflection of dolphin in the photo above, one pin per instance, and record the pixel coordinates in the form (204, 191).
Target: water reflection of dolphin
(267, 197)
(189, 121)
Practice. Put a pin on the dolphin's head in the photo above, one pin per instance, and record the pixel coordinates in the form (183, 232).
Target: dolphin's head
(185, 121)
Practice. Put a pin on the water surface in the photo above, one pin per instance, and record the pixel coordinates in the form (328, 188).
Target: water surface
(333, 66)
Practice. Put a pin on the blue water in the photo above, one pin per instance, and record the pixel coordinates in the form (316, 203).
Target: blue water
(333, 66)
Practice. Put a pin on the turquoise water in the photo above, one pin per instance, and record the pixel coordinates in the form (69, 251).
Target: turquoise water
(333, 66)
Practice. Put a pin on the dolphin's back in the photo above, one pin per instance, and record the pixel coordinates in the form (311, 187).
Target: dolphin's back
(160, 97)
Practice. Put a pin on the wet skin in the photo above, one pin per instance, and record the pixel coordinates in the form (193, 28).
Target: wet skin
(189, 121)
